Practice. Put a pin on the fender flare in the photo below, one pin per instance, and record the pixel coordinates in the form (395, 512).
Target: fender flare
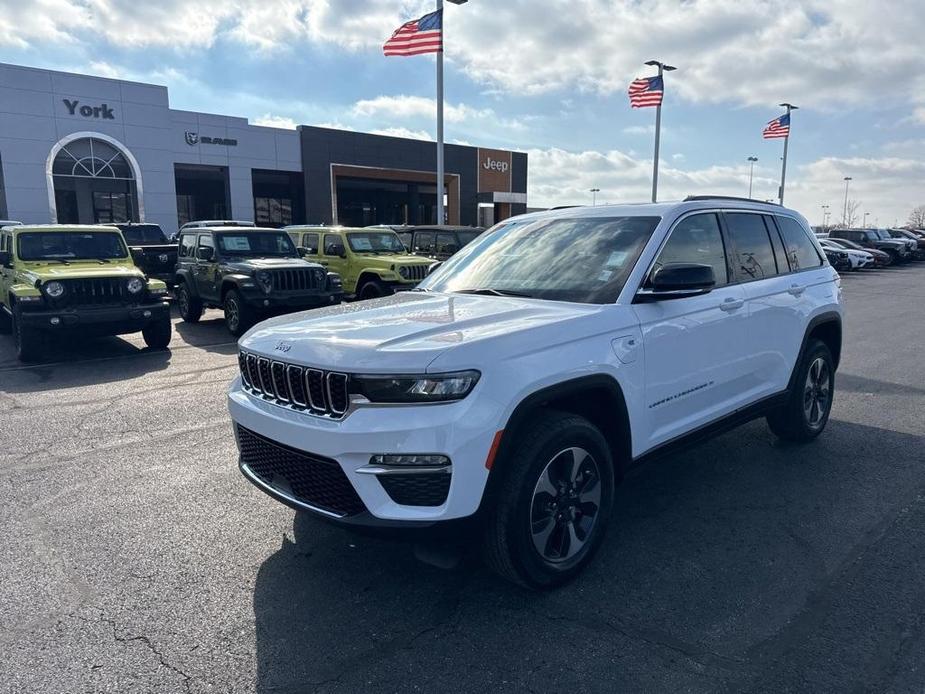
(184, 275)
(827, 317)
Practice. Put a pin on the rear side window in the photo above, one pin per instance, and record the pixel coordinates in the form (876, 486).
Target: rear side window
(752, 254)
(424, 242)
(446, 243)
(310, 242)
(696, 239)
(801, 251)
(187, 245)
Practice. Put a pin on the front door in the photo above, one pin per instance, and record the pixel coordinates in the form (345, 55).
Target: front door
(332, 249)
(205, 269)
(694, 354)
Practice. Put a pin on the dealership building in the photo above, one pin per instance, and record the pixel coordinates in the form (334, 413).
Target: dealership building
(82, 149)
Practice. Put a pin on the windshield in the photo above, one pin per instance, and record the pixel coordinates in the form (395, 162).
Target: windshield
(256, 243)
(580, 259)
(71, 245)
(466, 237)
(375, 242)
(142, 234)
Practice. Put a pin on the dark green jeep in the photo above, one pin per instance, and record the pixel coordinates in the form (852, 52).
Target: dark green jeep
(250, 273)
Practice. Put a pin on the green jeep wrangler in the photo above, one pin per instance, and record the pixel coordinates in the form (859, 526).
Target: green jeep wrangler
(250, 273)
(371, 262)
(58, 278)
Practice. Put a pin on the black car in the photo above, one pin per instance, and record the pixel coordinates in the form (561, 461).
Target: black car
(250, 273)
(436, 241)
(870, 238)
(151, 250)
(918, 251)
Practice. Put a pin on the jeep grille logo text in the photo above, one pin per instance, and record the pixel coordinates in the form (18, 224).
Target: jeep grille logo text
(193, 139)
(494, 165)
(102, 111)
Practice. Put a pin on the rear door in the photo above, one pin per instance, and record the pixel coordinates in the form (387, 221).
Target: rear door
(694, 346)
(205, 269)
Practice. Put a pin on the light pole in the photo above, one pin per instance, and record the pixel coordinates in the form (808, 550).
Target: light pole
(864, 223)
(440, 166)
(594, 192)
(751, 173)
(844, 220)
(662, 67)
(825, 212)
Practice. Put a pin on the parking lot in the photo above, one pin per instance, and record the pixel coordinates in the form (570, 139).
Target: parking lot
(136, 558)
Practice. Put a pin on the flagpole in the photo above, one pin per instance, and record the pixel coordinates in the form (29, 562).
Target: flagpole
(783, 168)
(440, 217)
(662, 68)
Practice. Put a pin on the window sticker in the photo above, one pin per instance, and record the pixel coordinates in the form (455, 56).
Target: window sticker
(362, 243)
(236, 243)
(616, 259)
(605, 276)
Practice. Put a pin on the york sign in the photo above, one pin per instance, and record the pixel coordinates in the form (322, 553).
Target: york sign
(102, 111)
(495, 165)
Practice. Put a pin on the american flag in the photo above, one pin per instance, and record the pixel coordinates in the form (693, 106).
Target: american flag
(779, 127)
(646, 91)
(424, 35)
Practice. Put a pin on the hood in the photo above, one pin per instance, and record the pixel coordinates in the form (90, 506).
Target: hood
(45, 272)
(408, 331)
(246, 265)
(396, 260)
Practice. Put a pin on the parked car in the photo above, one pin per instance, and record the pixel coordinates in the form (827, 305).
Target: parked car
(856, 259)
(504, 398)
(912, 240)
(58, 280)
(881, 258)
(869, 238)
(153, 253)
(838, 259)
(435, 241)
(372, 262)
(249, 273)
(203, 223)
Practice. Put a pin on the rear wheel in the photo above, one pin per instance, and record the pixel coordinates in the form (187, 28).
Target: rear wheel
(810, 401)
(190, 307)
(554, 501)
(239, 317)
(27, 340)
(157, 334)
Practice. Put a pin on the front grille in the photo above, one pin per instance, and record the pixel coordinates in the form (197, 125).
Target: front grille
(323, 393)
(307, 478)
(107, 291)
(296, 280)
(426, 489)
(415, 272)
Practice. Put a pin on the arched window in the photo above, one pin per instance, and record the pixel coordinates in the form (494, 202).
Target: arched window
(92, 158)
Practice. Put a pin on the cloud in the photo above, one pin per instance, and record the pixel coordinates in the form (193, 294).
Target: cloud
(272, 121)
(403, 106)
(404, 132)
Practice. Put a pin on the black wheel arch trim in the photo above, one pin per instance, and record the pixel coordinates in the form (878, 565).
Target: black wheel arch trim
(185, 276)
(827, 318)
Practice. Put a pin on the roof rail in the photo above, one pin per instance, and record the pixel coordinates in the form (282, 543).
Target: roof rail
(693, 198)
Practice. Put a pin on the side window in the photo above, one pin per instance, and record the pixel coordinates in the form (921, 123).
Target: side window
(310, 242)
(187, 246)
(333, 245)
(783, 266)
(3, 242)
(447, 243)
(424, 242)
(752, 254)
(696, 239)
(406, 237)
(801, 251)
(205, 240)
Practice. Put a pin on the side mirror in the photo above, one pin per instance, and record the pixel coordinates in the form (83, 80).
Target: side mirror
(678, 281)
(205, 253)
(6, 259)
(137, 254)
(302, 251)
(432, 267)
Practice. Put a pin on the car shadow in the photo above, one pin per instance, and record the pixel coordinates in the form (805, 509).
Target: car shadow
(208, 334)
(711, 553)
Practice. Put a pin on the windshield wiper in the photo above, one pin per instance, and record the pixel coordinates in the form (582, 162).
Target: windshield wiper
(52, 260)
(103, 260)
(491, 291)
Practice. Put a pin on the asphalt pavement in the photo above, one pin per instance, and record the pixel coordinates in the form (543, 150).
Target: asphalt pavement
(135, 558)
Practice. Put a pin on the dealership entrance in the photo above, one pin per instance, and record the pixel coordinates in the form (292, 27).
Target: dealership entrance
(203, 192)
(93, 183)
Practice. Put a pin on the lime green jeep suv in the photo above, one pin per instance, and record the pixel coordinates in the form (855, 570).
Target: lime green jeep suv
(72, 278)
(371, 262)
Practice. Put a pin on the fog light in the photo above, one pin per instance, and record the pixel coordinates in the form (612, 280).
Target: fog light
(146, 314)
(409, 460)
(266, 302)
(54, 320)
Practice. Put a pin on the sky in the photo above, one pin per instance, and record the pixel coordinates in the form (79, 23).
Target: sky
(547, 77)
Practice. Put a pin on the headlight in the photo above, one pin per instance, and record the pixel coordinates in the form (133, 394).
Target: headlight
(135, 285)
(265, 280)
(404, 271)
(54, 289)
(423, 388)
(334, 281)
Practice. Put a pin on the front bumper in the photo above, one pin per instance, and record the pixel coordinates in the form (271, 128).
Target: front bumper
(295, 301)
(107, 320)
(460, 430)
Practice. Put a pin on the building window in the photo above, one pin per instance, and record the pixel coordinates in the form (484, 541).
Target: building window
(184, 209)
(93, 183)
(273, 211)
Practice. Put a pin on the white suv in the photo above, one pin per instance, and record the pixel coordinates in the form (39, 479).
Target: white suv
(509, 392)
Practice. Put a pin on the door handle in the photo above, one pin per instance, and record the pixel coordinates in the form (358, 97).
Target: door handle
(732, 304)
(796, 289)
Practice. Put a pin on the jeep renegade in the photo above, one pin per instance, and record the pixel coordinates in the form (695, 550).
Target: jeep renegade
(68, 278)
(511, 390)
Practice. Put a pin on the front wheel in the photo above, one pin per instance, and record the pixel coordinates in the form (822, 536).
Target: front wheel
(157, 334)
(553, 501)
(810, 401)
(190, 307)
(238, 315)
(27, 340)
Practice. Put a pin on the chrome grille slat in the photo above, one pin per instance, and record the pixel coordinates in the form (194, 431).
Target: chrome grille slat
(305, 389)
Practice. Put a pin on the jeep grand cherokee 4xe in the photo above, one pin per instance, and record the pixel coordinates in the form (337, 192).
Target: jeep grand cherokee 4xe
(508, 393)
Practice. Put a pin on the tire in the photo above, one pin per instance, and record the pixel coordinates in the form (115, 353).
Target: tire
(515, 530)
(28, 341)
(372, 289)
(239, 317)
(809, 403)
(158, 333)
(189, 306)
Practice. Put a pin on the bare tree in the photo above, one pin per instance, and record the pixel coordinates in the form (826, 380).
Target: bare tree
(851, 213)
(917, 217)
